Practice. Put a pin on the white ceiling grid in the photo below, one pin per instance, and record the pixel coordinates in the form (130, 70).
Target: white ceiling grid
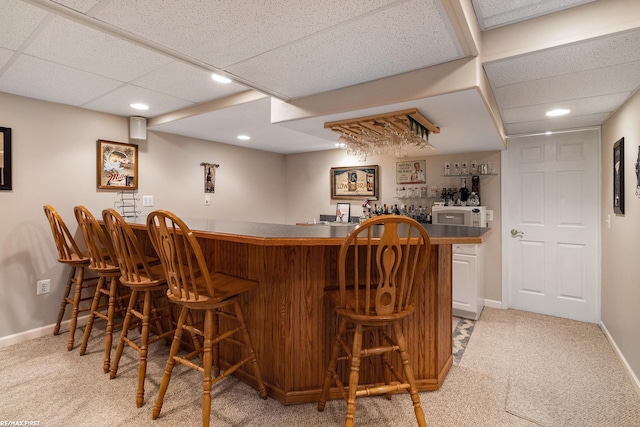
(106, 54)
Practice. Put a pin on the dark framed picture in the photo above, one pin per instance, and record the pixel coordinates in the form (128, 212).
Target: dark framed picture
(5, 158)
(618, 177)
(117, 166)
(354, 182)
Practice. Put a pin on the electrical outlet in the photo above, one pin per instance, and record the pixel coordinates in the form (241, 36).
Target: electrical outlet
(43, 287)
(207, 200)
(147, 201)
(489, 215)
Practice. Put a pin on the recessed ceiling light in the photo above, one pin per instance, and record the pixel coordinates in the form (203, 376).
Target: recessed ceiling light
(139, 106)
(244, 137)
(220, 79)
(558, 112)
(548, 132)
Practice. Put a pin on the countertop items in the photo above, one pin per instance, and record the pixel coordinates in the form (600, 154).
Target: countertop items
(268, 234)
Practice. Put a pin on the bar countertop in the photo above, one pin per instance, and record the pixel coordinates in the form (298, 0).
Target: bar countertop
(310, 235)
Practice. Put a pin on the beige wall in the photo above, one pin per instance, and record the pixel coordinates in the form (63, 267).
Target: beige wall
(620, 310)
(309, 194)
(54, 162)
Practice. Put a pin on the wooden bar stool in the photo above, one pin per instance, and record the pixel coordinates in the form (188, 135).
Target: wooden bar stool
(70, 254)
(194, 288)
(148, 285)
(105, 265)
(380, 265)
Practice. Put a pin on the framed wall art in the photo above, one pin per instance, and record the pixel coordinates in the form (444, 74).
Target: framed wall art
(117, 166)
(354, 182)
(618, 176)
(411, 172)
(5, 158)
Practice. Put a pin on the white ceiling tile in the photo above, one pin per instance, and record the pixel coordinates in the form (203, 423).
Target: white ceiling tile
(118, 102)
(17, 21)
(5, 55)
(79, 5)
(206, 30)
(75, 45)
(597, 53)
(407, 37)
(187, 82)
(252, 118)
(570, 86)
(40, 79)
(495, 13)
(583, 106)
(557, 124)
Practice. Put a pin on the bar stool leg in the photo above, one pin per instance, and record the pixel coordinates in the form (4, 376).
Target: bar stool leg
(354, 376)
(142, 367)
(207, 361)
(175, 347)
(92, 315)
(328, 377)
(76, 307)
(408, 373)
(63, 304)
(123, 334)
(247, 339)
(111, 312)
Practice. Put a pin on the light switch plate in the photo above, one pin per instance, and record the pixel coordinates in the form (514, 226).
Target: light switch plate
(489, 215)
(147, 201)
(207, 200)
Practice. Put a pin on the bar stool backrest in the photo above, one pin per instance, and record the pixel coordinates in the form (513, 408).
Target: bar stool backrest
(380, 265)
(68, 251)
(181, 257)
(98, 243)
(135, 268)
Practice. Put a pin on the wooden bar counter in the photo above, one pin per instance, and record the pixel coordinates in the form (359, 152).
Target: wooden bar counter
(292, 325)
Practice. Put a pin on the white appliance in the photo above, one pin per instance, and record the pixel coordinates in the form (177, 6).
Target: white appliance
(469, 216)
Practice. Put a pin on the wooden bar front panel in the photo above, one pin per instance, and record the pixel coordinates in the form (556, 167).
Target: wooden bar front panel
(292, 325)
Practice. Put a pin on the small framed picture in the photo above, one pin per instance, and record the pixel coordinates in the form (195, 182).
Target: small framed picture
(343, 212)
(117, 166)
(618, 177)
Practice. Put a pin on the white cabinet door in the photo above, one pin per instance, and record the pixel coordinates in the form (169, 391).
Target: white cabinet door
(468, 289)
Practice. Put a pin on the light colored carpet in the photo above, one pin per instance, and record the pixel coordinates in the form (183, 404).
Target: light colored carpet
(562, 371)
(41, 381)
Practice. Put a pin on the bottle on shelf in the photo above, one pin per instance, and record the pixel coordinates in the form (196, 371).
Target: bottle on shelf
(464, 192)
(395, 210)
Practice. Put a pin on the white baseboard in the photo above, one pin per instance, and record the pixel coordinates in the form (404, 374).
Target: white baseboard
(39, 332)
(632, 376)
(493, 303)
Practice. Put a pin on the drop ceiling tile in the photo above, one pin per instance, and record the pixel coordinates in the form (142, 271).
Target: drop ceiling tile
(118, 101)
(407, 37)
(40, 79)
(206, 29)
(495, 13)
(614, 79)
(583, 106)
(588, 55)
(187, 82)
(556, 124)
(18, 20)
(75, 45)
(79, 5)
(5, 55)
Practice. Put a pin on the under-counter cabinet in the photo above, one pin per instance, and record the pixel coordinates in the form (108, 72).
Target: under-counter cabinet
(468, 281)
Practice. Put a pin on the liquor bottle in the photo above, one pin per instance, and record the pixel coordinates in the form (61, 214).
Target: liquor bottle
(395, 210)
(464, 191)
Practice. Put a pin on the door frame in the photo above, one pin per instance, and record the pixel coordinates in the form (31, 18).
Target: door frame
(506, 225)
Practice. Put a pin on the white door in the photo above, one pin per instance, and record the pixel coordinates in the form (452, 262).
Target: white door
(552, 202)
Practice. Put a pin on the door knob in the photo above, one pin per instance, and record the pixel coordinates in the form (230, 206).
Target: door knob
(516, 233)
